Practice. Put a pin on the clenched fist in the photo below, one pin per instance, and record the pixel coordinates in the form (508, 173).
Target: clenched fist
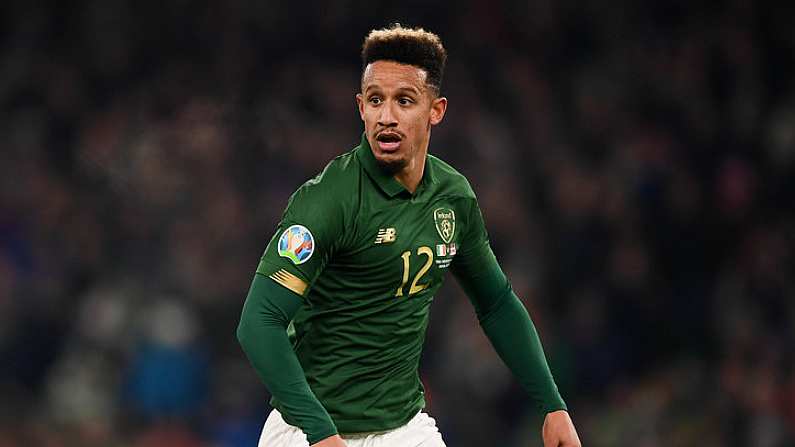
(559, 430)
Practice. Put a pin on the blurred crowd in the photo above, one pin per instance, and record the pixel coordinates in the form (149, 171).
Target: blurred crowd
(634, 161)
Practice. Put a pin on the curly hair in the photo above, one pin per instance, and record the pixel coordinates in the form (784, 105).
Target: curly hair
(411, 46)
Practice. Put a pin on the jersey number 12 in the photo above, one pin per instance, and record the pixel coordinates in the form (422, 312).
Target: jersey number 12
(414, 286)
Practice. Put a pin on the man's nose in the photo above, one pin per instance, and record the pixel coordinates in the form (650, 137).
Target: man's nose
(387, 118)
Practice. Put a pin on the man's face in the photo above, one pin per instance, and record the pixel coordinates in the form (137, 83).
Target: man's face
(398, 109)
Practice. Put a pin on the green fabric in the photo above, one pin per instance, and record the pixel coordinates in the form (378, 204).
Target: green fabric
(262, 334)
(504, 319)
(511, 331)
(358, 342)
(378, 256)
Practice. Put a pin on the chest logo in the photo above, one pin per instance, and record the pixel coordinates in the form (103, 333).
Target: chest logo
(444, 218)
(386, 236)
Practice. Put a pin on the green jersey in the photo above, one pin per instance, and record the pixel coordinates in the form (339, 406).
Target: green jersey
(367, 257)
(350, 275)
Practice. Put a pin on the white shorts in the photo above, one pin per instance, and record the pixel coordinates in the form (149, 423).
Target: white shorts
(420, 431)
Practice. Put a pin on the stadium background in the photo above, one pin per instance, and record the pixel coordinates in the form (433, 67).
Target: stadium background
(634, 161)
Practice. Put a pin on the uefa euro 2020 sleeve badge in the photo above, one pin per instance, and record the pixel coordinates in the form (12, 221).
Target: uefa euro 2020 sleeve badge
(296, 244)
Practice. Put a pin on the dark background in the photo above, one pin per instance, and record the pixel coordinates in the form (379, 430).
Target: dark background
(634, 161)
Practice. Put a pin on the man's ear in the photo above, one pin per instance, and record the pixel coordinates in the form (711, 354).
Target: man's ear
(438, 107)
(360, 105)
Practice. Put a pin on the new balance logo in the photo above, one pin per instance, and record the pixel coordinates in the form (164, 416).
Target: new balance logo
(386, 236)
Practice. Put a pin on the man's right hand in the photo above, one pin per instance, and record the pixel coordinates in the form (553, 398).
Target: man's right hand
(331, 441)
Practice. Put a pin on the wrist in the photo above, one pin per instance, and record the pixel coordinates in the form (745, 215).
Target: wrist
(317, 436)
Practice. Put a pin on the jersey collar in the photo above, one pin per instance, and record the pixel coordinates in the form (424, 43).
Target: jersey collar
(386, 182)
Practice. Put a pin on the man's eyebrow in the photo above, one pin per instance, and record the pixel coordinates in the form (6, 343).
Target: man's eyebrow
(402, 89)
(410, 89)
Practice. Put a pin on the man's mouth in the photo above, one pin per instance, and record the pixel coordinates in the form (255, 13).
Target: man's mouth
(388, 141)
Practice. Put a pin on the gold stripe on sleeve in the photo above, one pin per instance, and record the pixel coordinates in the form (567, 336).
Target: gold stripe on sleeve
(289, 281)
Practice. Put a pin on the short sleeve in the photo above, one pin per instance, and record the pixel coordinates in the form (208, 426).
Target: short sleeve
(476, 268)
(475, 240)
(306, 238)
(473, 246)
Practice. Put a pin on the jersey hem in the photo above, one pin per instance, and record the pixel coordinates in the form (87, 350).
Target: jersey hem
(382, 429)
(354, 427)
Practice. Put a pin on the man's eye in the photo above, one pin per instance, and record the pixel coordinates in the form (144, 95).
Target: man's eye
(375, 100)
(405, 101)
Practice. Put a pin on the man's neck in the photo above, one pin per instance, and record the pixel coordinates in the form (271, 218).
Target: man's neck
(411, 176)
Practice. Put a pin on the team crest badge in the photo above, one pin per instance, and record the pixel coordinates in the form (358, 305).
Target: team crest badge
(296, 244)
(444, 218)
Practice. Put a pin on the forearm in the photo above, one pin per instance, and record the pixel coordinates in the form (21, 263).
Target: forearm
(513, 335)
(508, 325)
(263, 337)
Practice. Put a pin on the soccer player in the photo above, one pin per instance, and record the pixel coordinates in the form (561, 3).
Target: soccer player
(335, 318)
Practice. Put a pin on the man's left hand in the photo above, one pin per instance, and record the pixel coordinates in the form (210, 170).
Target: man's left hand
(559, 430)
